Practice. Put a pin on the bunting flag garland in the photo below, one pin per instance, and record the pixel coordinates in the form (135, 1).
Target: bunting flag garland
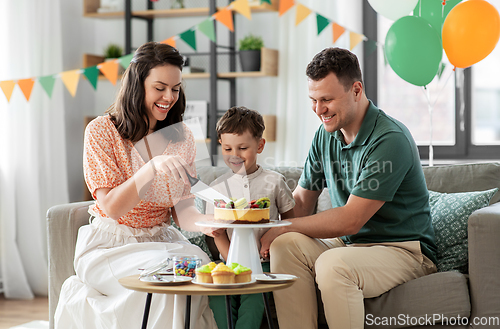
(355, 39)
(440, 70)
(243, 8)
(26, 86)
(47, 83)
(110, 70)
(70, 80)
(170, 41)
(337, 31)
(8, 88)
(207, 27)
(225, 16)
(322, 22)
(189, 37)
(301, 14)
(92, 74)
(370, 47)
(125, 60)
(285, 5)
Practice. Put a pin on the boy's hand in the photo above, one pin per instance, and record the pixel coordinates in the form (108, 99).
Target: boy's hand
(213, 231)
(264, 253)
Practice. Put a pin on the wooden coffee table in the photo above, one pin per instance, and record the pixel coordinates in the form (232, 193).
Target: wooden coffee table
(133, 283)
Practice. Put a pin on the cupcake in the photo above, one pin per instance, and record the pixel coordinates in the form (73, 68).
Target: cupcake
(242, 274)
(203, 274)
(222, 274)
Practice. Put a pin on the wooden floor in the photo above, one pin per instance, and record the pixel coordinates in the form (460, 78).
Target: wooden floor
(16, 312)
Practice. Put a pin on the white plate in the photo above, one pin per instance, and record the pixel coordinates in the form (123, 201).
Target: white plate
(166, 279)
(227, 285)
(280, 278)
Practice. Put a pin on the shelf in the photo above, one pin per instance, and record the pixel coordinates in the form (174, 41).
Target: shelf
(269, 67)
(90, 10)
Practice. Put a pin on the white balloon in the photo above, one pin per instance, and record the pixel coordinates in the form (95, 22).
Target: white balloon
(393, 9)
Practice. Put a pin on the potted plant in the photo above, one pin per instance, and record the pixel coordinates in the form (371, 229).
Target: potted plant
(250, 47)
(113, 51)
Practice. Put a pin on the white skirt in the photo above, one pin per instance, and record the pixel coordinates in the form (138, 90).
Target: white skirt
(107, 251)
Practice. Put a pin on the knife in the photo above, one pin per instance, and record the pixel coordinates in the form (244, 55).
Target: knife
(204, 191)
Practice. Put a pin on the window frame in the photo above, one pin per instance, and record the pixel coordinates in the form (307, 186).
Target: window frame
(463, 149)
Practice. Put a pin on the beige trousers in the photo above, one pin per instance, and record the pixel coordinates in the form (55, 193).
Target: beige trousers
(344, 276)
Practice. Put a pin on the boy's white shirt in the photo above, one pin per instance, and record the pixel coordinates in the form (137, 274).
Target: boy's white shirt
(259, 184)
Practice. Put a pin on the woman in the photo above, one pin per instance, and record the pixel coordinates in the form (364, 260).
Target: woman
(136, 161)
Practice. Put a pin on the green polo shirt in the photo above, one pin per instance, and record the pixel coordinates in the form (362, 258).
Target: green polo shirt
(381, 163)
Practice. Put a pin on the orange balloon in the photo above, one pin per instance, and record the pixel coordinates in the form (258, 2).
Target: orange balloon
(470, 32)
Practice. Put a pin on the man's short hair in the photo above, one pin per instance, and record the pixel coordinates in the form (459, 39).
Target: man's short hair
(343, 63)
(239, 119)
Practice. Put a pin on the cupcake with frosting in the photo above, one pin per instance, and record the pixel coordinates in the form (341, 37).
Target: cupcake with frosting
(204, 274)
(242, 274)
(222, 274)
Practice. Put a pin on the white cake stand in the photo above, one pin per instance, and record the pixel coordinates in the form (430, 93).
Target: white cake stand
(243, 248)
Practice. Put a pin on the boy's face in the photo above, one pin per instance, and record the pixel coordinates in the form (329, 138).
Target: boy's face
(240, 152)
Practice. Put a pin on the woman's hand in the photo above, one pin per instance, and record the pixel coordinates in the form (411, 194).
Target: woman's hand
(174, 166)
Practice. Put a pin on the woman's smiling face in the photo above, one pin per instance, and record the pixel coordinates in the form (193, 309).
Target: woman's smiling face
(162, 87)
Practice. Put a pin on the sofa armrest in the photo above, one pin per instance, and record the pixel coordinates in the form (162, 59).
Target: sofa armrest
(484, 261)
(63, 222)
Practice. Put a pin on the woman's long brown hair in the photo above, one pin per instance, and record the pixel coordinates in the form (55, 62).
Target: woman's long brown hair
(128, 112)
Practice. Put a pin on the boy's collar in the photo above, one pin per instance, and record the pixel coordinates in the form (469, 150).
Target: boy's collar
(252, 175)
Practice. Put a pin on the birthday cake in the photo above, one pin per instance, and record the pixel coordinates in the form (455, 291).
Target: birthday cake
(242, 212)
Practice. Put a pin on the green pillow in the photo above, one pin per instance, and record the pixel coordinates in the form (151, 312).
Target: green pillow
(450, 214)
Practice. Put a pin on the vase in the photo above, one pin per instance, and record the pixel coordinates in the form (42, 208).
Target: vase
(250, 60)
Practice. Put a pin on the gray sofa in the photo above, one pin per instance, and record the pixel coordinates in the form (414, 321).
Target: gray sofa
(472, 297)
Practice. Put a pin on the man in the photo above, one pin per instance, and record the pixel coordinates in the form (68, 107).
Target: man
(378, 233)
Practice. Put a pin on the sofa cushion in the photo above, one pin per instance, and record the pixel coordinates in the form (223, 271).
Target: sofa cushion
(450, 214)
(464, 178)
(443, 294)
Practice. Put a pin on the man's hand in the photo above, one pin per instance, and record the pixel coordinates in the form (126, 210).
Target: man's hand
(268, 238)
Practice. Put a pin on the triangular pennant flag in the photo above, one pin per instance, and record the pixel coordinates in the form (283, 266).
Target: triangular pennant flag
(110, 70)
(225, 16)
(242, 7)
(386, 61)
(8, 88)
(440, 70)
(337, 31)
(47, 83)
(70, 80)
(125, 60)
(354, 39)
(207, 28)
(285, 5)
(301, 14)
(92, 74)
(322, 22)
(170, 41)
(189, 37)
(266, 1)
(26, 86)
(370, 46)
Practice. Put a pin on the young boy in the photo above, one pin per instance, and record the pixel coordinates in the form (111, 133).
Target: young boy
(239, 132)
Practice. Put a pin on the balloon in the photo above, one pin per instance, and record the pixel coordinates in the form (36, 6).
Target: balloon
(393, 9)
(470, 32)
(413, 49)
(433, 11)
